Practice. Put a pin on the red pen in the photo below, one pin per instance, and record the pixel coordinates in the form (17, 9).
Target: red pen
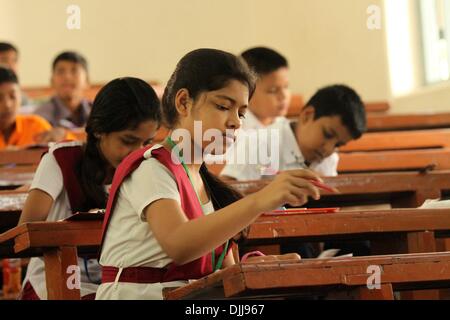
(323, 186)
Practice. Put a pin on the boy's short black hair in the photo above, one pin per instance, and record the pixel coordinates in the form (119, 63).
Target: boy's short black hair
(264, 60)
(6, 46)
(71, 56)
(7, 75)
(342, 101)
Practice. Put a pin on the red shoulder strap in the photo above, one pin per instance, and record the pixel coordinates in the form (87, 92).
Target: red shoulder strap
(68, 158)
(126, 167)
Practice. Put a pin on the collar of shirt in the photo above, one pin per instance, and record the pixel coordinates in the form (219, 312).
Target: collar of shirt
(290, 151)
(62, 113)
(16, 133)
(252, 122)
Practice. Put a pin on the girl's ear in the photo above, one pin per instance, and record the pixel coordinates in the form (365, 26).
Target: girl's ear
(306, 115)
(182, 102)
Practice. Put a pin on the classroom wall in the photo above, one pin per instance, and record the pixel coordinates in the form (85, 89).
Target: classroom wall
(326, 41)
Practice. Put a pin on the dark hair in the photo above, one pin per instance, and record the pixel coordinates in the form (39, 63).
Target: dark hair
(71, 56)
(342, 101)
(200, 71)
(6, 46)
(120, 105)
(7, 75)
(264, 60)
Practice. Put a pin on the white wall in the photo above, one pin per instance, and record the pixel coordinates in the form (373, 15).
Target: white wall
(325, 41)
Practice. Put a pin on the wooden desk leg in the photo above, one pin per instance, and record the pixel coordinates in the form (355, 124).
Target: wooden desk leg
(384, 293)
(57, 262)
(414, 242)
(443, 245)
(420, 242)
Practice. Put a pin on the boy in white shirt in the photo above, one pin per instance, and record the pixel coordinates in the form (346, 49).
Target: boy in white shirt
(334, 116)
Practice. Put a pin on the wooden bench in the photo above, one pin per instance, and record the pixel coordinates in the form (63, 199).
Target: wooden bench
(60, 243)
(11, 204)
(315, 277)
(392, 122)
(398, 160)
(16, 176)
(22, 156)
(399, 140)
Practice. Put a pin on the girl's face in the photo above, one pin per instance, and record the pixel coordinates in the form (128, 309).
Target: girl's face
(220, 114)
(115, 146)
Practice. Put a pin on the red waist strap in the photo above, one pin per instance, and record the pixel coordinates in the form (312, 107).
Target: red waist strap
(133, 274)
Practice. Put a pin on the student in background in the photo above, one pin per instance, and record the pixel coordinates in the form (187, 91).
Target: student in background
(270, 102)
(16, 130)
(9, 57)
(68, 108)
(74, 176)
(168, 219)
(334, 116)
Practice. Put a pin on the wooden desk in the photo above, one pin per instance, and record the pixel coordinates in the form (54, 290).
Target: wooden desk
(22, 156)
(391, 122)
(403, 224)
(58, 242)
(11, 204)
(400, 160)
(16, 176)
(399, 140)
(322, 277)
(401, 189)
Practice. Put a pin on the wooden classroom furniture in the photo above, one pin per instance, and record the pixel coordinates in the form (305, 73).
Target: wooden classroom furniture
(21, 156)
(60, 243)
(16, 176)
(399, 140)
(392, 122)
(389, 232)
(321, 277)
(400, 189)
(11, 204)
(395, 160)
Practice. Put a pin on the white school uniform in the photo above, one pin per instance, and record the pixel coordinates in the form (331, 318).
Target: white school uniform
(287, 152)
(49, 179)
(129, 241)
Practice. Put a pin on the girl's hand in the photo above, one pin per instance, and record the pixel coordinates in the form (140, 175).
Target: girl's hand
(289, 187)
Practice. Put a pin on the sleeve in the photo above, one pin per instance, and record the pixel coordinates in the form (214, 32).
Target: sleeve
(48, 177)
(150, 182)
(40, 124)
(328, 166)
(45, 111)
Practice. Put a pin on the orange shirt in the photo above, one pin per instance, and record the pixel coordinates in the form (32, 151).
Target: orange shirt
(27, 126)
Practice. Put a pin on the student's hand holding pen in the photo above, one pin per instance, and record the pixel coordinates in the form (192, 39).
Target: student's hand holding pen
(289, 187)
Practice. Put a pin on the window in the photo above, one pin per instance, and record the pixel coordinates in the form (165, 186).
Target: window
(435, 18)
